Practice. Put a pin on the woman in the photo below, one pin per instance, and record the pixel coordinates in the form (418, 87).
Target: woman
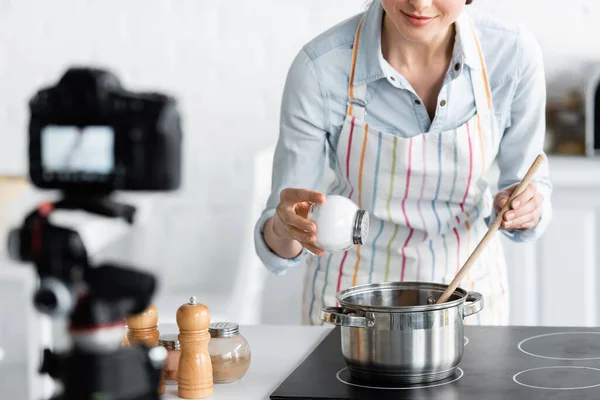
(416, 100)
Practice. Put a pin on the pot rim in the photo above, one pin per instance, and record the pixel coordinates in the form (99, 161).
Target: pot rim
(368, 287)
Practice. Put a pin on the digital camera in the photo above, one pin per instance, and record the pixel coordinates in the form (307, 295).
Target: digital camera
(89, 135)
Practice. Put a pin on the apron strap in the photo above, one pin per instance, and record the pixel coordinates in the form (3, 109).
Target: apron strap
(479, 78)
(356, 94)
(356, 106)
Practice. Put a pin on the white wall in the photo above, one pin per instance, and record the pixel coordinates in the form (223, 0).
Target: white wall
(226, 61)
(568, 32)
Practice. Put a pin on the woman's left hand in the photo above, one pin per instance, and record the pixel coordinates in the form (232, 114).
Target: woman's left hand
(526, 207)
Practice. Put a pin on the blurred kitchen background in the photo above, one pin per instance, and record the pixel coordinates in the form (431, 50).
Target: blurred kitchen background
(226, 62)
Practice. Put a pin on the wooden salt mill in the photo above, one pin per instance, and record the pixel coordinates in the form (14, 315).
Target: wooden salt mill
(194, 376)
(143, 328)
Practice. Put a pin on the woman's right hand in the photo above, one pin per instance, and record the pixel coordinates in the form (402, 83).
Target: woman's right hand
(290, 219)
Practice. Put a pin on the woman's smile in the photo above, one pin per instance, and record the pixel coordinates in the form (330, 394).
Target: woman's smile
(417, 20)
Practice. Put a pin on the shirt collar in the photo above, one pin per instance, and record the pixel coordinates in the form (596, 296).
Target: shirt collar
(370, 64)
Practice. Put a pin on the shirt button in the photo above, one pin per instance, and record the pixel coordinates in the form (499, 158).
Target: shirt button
(417, 102)
(392, 78)
(443, 103)
(457, 66)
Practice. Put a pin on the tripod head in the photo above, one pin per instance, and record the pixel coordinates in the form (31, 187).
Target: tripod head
(89, 137)
(63, 265)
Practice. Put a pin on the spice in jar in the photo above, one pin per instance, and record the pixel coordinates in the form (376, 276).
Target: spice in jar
(340, 223)
(170, 342)
(229, 352)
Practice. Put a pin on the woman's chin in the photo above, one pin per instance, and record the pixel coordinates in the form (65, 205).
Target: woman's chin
(417, 36)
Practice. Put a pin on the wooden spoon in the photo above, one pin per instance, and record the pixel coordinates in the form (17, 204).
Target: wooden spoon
(491, 231)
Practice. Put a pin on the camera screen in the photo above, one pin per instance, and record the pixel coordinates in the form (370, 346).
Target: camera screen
(71, 149)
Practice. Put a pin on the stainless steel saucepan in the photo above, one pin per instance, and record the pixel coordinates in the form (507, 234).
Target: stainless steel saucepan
(395, 332)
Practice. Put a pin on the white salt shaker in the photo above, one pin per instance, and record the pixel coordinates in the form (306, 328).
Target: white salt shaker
(340, 223)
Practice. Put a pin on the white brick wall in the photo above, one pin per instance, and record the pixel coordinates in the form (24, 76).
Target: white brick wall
(226, 61)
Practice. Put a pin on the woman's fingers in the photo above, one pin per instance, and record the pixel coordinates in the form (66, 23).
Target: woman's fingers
(306, 239)
(501, 199)
(503, 196)
(525, 221)
(525, 196)
(301, 236)
(289, 217)
(292, 202)
(313, 249)
(526, 216)
(519, 212)
(293, 195)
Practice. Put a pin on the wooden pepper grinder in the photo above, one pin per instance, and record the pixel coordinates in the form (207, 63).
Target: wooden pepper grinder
(143, 328)
(194, 376)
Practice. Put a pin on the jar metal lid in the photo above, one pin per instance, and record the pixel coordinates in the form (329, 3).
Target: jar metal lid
(360, 229)
(223, 329)
(169, 341)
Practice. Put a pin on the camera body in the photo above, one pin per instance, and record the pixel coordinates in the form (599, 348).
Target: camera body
(89, 135)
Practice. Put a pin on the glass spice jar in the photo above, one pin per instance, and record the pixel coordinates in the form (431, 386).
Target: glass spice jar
(229, 352)
(171, 343)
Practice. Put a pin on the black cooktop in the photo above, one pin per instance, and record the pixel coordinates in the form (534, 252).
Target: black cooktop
(498, 363)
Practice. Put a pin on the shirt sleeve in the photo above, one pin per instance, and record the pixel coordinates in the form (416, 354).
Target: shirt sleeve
(524, 138)
(300, 152)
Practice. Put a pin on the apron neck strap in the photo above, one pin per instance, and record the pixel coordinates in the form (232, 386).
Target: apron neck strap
(479, 78)
(356, 94)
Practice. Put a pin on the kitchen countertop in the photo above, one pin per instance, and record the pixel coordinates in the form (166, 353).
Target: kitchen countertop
(276, 351)
(574, 171)
(524, 363)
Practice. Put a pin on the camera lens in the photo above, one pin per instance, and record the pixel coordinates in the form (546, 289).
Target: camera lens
(157, 356)
(46, 299)
(53, 298)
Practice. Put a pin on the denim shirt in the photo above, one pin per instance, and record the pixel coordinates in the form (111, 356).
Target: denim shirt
(315, 100)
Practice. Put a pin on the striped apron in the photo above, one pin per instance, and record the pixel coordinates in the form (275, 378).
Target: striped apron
(427, 200)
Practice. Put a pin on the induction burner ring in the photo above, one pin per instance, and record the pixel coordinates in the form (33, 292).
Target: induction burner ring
(397, 388)
(520, 346)
(556, 388)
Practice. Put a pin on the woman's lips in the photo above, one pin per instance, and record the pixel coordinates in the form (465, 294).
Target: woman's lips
(417, 20)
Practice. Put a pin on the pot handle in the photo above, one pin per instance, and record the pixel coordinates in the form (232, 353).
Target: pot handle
(336, 316)
(473, 304)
